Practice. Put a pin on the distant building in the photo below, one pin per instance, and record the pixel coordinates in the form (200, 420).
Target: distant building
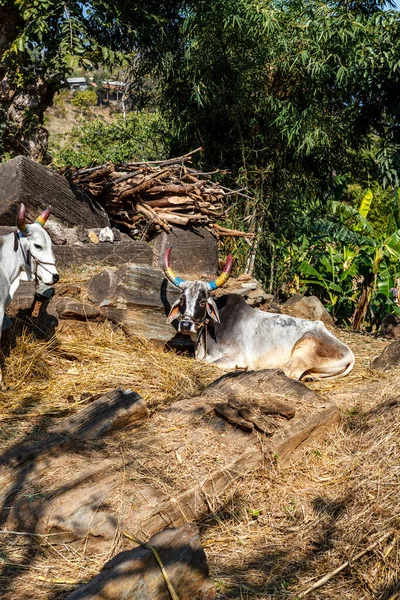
(114, 91)
(77, 83)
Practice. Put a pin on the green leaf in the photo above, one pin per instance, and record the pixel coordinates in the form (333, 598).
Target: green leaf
(309, 270)
(365, 204)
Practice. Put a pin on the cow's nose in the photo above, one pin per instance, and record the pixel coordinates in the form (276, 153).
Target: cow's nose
(56, 277)
(185, 326)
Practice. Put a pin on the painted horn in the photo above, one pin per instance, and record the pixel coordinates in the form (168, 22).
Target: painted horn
(44, 216)
(168, 272)
(223, 278)
(22, 226)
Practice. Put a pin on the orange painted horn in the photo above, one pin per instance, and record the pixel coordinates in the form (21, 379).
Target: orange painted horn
(223, 278)
(168, 272)
(44, 216)
(22, 226)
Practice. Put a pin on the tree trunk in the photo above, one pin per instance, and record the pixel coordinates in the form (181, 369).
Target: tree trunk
(363, 301)
(22, 108)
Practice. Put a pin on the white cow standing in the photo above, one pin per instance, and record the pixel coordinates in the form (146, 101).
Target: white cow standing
(25, 254)
(230, 334)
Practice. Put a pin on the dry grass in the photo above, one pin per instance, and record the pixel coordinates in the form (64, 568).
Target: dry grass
(90, 358)
(280, 530)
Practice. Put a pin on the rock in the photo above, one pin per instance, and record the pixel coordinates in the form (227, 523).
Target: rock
(69, 308)
(23, 180)
(244, 277)
(257, 297)
(82, 234)
(117, 234)
(390, 327)
(56, 232)
(93, 237)
(194, 251)
(307, 307)
(106, 235)
(139, 297)
(71, 235)
(135, 574)
(245, 286)
(23, 297)
(107, 254)
(69, 289)
(389, 358)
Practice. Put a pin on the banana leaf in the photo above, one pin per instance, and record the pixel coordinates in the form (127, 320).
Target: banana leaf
(366, 204)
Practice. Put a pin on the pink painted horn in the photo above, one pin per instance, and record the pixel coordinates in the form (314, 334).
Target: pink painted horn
(168, 272)
(22, 226)
(44, 216)
(223, 278)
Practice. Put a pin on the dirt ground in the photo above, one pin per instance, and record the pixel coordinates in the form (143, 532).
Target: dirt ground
(278, 531)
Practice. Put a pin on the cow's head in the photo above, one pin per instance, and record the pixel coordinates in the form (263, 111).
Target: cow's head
(195, 305)
(37, 248)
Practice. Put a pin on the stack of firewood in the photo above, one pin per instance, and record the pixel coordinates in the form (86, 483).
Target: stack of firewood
(143, 197)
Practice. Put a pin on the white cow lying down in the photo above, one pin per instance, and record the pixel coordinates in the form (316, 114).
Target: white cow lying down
(231, 334)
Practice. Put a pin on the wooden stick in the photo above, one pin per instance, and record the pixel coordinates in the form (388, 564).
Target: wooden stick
(332, 574)
(170, 587)
(233, 232)
(171, 201)
(141, 187)
(173, 188)
(127, 176)
(151, 215)
(169, 161)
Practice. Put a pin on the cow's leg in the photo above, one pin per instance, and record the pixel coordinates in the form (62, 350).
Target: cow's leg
(228, 364)
(319, 355)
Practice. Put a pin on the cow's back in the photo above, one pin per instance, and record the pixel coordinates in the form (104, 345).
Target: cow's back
(257, 338)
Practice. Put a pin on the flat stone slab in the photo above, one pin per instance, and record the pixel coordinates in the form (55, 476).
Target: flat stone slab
(106, 253)
(194, 251)
(178, 465)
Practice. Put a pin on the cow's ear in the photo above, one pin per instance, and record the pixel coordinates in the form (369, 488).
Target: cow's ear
(175, 311)
(212, 310)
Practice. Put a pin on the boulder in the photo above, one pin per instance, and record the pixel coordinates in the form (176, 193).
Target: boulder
(389, 358)
(390, 327)
(56, 232)
(244, 285)
(137, 296)
(135, 574)
(307, 307)
(23, 180)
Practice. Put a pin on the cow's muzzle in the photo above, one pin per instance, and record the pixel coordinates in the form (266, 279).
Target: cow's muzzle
(188, 327)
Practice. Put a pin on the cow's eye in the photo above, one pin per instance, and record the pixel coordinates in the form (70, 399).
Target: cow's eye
(38, 247)
(202, 303)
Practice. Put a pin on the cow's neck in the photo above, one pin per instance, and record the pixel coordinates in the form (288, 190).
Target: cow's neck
(12, 257)
(200, 343)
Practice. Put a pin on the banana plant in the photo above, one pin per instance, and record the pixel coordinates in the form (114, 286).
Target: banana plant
(350, 265)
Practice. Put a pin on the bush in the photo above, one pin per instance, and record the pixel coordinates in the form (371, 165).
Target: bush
(85, 100)
(140, 137)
